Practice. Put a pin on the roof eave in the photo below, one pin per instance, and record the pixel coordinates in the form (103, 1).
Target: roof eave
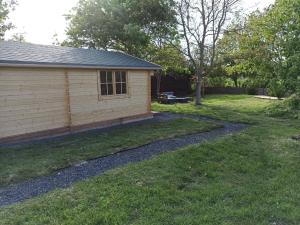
(67, 66)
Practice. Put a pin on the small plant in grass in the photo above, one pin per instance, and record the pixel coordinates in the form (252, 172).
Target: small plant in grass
(289, 108)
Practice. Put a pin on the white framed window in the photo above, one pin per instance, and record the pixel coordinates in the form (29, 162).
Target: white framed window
(112, 83)
(121, 82)
(106, 83)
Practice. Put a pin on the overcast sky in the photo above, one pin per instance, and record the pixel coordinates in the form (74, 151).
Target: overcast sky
(39, 20)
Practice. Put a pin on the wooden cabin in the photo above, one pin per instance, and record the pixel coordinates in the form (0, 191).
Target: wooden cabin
(51, 90)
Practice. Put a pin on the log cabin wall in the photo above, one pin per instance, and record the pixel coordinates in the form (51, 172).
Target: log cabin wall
(36, 100)
(88, 107)
(31, 100)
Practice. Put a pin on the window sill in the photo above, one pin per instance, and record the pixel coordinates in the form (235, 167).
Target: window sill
(112, 97)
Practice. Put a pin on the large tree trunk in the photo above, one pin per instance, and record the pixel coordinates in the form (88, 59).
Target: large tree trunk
(235, 80)
(198, 88)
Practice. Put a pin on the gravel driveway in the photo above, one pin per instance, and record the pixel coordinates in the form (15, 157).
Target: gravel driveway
(66, 177)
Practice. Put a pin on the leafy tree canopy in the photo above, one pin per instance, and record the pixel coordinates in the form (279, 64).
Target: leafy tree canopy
(169, 57)
(265, 45)
(127, 25)
(19, 37)
(5, 7)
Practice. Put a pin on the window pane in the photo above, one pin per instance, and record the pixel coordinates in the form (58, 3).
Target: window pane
(124, 90)
(118, 76)
(109, 89)
(118, 88)
(109, 77)
(103, 77)
(123, 76)
(103, 89)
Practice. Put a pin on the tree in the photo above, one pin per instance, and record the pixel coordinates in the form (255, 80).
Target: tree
(5, 7)
(163, 49)
(201, 23)
(265, 47)
(283, 38)
(239, 48)
(126, 25)
(55, 40)
(171, 60)
(20, 37)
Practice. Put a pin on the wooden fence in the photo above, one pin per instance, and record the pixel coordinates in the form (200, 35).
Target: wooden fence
(182, 86)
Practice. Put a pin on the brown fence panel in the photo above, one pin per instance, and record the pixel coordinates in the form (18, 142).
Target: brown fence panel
(181, 86)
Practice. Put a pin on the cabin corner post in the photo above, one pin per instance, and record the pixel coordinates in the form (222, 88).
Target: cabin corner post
(67, 100)
(149, 91)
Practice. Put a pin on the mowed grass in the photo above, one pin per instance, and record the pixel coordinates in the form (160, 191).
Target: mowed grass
(247, 178)
(23, 162)
(236, 108)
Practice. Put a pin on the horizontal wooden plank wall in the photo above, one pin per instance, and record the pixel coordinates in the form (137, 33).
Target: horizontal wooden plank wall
(87, 108)
(31, 100)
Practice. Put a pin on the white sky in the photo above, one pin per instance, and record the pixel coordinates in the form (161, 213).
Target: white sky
(39, 20)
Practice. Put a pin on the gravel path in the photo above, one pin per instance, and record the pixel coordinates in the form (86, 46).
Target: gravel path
(66, 177)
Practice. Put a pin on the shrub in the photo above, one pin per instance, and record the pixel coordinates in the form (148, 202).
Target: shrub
(289, 108)
(276, 89)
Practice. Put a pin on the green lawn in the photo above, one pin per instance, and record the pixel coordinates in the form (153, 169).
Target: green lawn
(244, 179)
(236, 108)
(26, 161)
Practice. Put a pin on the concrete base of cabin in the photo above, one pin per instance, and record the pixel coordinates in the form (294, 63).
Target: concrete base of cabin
(70, 130)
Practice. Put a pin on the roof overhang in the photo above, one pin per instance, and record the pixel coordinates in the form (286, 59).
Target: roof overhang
(73, 66)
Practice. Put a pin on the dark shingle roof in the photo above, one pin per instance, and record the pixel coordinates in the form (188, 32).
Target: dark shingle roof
(16, 53)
